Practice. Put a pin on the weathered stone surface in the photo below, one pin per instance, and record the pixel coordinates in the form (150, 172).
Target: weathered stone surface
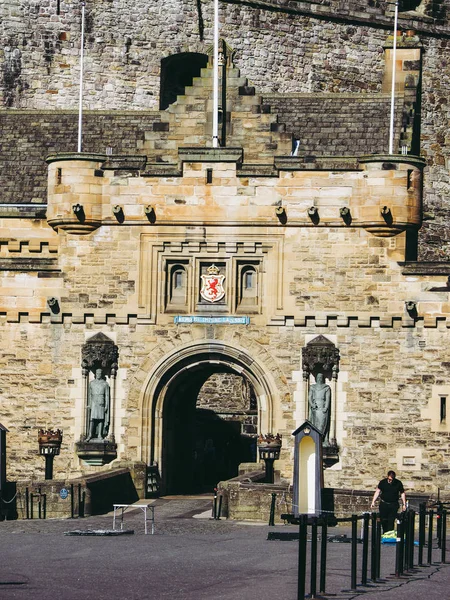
(324, 275)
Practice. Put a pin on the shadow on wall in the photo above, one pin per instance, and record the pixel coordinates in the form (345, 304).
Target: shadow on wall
(114, 490)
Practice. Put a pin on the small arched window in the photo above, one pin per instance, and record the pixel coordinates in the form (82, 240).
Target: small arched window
(248, 286)
(178, 281)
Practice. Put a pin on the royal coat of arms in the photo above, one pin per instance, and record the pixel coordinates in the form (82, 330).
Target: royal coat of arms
(212, 285)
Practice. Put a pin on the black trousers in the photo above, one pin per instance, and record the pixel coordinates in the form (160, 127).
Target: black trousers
(388, 512)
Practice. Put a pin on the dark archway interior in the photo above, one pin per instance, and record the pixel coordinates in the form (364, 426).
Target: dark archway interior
(177, 72)
(202, 446)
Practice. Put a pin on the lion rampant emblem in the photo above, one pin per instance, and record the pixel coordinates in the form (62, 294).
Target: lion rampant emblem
(212, 285)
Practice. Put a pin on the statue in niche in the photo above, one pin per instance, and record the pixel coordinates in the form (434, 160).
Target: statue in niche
(99, 404)
(319, 401)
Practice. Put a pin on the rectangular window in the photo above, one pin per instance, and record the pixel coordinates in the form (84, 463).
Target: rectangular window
(443, 407)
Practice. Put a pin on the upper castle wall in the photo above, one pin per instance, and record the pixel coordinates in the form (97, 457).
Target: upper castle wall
(282, 46)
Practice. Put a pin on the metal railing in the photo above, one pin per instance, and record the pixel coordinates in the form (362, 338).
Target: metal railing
(409, 554)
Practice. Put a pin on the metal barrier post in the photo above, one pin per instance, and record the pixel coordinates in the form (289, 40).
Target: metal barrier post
(430, 537)
(354, 551)
(412, 521)
(406, 537)
(72, 502)
(214, 507)
(323, 555)
(444, 535)
(27, 502)
(272, 510)
(302, 535)
(399, 550)
(313, 580)
(439, 524)
(373, 547)
(378, 548)
(365, 548)
(421, 533)
(219, 510)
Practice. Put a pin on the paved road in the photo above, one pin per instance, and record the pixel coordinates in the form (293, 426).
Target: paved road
(188, 558)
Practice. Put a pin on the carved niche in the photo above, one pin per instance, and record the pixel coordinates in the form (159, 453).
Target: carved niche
(99, 352)
(320, 355)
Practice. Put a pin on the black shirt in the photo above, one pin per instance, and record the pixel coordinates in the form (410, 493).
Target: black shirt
(390, 492)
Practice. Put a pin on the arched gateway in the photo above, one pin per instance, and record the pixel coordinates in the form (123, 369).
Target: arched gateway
(173, 429)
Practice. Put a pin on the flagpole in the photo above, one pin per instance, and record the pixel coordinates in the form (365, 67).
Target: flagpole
(215, 119)
(394, 51)
(80, 103)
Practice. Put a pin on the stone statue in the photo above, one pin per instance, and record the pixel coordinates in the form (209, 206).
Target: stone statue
(319, 406)
(99, 403)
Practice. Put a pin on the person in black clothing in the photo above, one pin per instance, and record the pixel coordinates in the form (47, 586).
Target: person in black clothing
(389, 491)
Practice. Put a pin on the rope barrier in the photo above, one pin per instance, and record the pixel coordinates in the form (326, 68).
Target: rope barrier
(8, 501)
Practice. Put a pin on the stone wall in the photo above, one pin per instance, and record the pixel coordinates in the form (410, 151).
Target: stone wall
(337, 124)
(65, 499)
(281, 46)
(28, 137)
(392, 367)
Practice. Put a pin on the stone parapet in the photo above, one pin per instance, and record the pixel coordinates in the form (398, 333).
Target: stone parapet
(75, 199)
(80, 497)
(382, 194)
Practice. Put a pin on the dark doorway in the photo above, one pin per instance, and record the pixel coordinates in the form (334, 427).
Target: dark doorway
(177, 72)
(209, 428)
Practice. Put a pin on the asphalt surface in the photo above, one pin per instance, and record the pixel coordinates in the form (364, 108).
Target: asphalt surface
(190, 557)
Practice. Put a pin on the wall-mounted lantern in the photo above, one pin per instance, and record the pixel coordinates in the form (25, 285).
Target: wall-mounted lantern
(269, 447)
(49, 446)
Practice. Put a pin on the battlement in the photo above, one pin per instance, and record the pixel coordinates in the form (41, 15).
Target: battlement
(383, 195)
